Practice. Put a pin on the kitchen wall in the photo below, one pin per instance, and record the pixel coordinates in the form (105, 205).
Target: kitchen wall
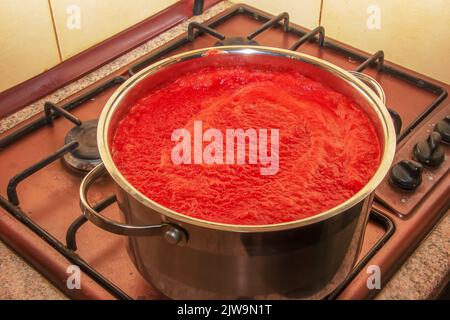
(98, 20)
(412, 33)
(303, 12)
(35, 35)
(27, 41)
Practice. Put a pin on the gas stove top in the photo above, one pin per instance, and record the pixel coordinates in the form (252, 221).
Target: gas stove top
(44, 159)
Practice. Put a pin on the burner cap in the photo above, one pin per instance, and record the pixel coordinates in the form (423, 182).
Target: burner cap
(86, 156)
(235, 41)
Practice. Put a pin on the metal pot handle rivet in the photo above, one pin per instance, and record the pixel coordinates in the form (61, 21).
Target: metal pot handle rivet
(173, 235)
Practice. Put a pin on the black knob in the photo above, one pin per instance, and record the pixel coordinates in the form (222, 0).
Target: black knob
(429, 152)
(407, 174)
(443, 127)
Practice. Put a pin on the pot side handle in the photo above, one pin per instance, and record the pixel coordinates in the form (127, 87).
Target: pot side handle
(378, 89)
(171, 233)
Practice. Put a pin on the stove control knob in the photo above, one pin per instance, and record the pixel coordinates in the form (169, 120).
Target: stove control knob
(407, 174)
(443, 127)
(430, 152)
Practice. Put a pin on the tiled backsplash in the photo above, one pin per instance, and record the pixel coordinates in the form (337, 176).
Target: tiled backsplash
(27, 41)
(35, 35)
(414, 33)
(81, 24)
(303, 12)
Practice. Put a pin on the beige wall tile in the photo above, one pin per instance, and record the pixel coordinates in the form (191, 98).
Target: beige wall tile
(99, 20)
(303, 12)
(27, 41)
(413, 33)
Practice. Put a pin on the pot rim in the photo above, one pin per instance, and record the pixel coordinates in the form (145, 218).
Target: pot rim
(380, 110)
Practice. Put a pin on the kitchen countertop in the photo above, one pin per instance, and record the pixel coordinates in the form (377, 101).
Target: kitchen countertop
(20, 281)
(422, 276)
(427, 271)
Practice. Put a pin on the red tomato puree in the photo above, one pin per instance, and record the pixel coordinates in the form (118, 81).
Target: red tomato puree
(328, 148)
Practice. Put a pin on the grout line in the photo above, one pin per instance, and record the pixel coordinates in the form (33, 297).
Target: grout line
(320, 12)
(54, 30)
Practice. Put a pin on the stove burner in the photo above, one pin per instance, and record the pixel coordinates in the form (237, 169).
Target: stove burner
(86, 156)
(235, 41)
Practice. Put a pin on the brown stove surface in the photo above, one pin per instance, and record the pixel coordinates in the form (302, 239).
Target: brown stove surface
(44, 196)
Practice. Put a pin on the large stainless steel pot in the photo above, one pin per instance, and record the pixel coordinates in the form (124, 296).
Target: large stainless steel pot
(188, 258)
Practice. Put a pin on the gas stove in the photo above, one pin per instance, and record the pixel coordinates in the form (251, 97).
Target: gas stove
(43, 160)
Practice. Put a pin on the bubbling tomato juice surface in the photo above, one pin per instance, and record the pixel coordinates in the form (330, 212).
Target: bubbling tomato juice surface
(328, 147)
